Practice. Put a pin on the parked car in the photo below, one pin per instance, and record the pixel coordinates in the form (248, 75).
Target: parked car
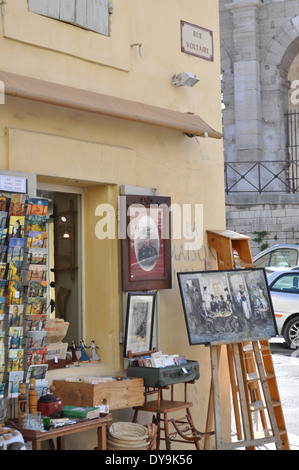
(284, 255)
(284, 291)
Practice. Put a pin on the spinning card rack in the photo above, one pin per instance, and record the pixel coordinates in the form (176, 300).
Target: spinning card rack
(254, 390)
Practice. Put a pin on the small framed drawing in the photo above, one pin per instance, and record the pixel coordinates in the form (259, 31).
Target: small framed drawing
(227, 306)
(146, 243)
(139, 322)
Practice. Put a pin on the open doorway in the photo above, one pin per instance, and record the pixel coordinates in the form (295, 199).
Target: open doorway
(65, 266)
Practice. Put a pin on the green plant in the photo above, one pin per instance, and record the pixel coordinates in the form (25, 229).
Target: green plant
(260, 239)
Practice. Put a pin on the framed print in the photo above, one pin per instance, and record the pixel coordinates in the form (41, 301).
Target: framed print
(227, 306)
(146, 246)
(139, 322)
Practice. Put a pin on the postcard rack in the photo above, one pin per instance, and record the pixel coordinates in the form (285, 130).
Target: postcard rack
(252, 376)
(24, 290)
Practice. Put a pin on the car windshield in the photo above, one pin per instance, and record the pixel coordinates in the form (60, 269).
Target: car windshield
(280, 258)
(286, 283)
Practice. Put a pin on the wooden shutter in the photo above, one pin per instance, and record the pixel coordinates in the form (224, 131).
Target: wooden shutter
(88, 14)
(38, 6)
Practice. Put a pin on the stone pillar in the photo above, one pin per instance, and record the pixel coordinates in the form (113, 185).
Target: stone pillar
(247, 85)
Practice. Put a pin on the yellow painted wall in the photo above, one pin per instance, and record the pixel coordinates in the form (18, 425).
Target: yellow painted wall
(100, 154)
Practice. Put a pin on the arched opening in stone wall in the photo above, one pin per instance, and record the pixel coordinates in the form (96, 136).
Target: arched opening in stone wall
(290, 67)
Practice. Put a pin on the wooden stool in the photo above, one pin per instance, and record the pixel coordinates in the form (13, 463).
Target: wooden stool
(162, 408)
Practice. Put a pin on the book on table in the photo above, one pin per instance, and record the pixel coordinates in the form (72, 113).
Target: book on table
(87, 412)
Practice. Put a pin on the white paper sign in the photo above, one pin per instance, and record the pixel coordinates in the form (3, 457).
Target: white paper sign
(13, 184)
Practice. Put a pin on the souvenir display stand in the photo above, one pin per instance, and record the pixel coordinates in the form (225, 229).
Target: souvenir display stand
(24, 327)
(252, 377)
(23, 286)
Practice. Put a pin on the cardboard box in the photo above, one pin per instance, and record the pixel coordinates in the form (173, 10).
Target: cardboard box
(56, 330)
(56, 350)
(117, 394)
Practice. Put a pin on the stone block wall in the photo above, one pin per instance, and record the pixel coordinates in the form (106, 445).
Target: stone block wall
(276, 214)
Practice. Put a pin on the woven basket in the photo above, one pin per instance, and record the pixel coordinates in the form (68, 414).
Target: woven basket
(131, 436)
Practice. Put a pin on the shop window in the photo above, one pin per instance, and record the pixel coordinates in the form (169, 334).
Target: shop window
(64, 251)
(92, 15)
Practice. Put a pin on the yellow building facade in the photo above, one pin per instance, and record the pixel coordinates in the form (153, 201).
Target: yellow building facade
(89, 116)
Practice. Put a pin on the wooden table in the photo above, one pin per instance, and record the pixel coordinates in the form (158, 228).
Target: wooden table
(37, 437)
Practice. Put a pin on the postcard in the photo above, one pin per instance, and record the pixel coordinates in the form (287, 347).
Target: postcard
(15, 337)
(15, 360)
(36, 322)
(16, 226)
(2, 287)
(2, 341)
(2, 304)
(37, 372)
(14, 293)
(3, 269)
(36, 306)
(37, 255)
(15, 317)
(36, 223)
(37, 206)
(37, 239)
(15, 249)
(37, 289)
(37, 272)
(14, 380)
(3, 219)
(3, 235)
(36, 339)
(36, 356)
(3, 251)
(2, 321)
(15, 271)
(17, 204)
(3, 203)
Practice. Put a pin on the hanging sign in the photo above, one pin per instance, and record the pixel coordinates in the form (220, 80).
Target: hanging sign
(197, 41)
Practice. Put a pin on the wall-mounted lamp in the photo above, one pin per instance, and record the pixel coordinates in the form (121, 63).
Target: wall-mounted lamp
(184, 79)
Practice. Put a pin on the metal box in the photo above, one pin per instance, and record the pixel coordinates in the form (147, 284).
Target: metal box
(163, 376)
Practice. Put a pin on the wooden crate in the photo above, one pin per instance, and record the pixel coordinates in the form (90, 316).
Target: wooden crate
(118, 394)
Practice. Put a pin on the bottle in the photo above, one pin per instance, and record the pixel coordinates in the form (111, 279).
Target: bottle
(237, 261)
(33, 399)
(22, 404)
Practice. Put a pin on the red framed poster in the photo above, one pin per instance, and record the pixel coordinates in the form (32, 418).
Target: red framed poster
(146, 248)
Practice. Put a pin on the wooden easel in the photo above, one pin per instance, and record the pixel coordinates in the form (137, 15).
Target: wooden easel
(243, 407)
(252, 376)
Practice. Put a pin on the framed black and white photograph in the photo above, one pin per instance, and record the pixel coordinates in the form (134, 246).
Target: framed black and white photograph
(227, 306)
(146, 249)
(139, 322)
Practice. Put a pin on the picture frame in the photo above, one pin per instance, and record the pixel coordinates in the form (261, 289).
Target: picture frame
(139, 322)
(227, 306)
(146, 243)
